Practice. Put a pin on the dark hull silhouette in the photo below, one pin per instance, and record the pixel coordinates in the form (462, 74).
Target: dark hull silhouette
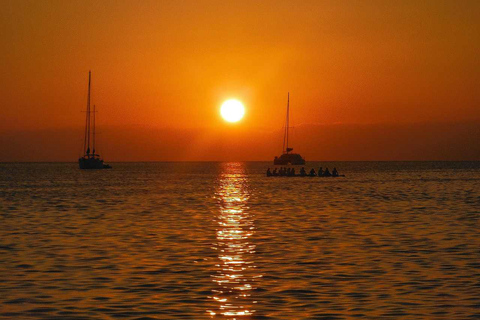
(289, 159)
(92, 163)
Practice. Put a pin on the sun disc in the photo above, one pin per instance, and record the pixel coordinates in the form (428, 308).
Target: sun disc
(232, 110)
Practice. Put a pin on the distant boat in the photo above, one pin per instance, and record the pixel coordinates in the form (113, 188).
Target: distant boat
(90, 160)
(287, 157)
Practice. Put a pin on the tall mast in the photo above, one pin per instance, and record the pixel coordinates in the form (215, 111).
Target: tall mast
(285, 134)
(93, 130)
(288, 116)
(88, 114)
(86, 141)
(85, 136)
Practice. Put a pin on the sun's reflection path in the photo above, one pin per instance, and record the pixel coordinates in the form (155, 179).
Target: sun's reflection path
(235, 275)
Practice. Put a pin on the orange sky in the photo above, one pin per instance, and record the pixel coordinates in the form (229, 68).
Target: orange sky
(168, 65)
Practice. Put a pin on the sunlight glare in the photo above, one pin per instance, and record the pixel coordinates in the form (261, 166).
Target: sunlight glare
(232, 110)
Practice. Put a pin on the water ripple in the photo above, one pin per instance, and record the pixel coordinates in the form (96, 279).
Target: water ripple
(220, 240)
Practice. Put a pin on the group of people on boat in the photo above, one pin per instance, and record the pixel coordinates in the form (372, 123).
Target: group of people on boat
(290, 172)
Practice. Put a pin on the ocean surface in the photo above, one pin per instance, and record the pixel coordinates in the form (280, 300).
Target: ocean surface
(391, 240)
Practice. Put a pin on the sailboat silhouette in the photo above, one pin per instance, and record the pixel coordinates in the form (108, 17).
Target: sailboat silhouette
(90, 160)
(287, 157)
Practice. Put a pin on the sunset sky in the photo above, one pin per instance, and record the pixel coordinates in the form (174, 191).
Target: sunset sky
(368, 80)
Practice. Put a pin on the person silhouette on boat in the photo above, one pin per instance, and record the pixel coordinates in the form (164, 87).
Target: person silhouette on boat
(327, 173)
(269, 173)
(275, 173)
(312, 173)
(293, 172)
(303, 173)
(320, 172)
(334, 172)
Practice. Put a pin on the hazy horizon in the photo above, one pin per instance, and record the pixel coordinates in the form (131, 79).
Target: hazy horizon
(337, 142)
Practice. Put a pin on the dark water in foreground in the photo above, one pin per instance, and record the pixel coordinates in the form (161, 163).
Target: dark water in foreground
(220, 240)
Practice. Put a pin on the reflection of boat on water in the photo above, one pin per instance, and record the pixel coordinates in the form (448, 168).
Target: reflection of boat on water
(287, 157)
(90, 160)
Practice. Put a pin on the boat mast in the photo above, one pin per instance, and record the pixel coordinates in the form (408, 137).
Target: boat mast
(85, 136)
(285, 134)
(94, 130)
(86, 141)
(88, 114)
(288, 116)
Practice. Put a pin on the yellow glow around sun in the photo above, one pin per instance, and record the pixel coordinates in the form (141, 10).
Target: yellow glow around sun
(232, 110)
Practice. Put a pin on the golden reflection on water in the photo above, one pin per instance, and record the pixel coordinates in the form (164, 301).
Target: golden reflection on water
(234, 274)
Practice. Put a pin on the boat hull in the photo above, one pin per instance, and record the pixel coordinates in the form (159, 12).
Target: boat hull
(289, 159)
(92, 163)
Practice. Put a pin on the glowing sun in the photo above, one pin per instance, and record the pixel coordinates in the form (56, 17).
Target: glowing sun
(232, 110)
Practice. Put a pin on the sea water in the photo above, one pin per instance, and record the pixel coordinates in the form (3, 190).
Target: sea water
(391, 240)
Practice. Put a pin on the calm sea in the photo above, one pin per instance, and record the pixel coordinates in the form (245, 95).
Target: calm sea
(391, 240)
